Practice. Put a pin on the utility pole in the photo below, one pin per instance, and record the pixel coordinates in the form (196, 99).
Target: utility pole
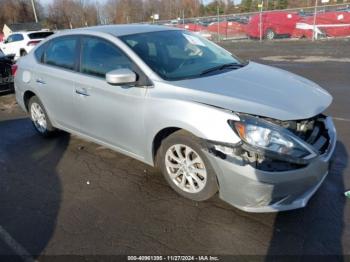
(218, 23)
(34, 11)
(314, 36)
(260, 19)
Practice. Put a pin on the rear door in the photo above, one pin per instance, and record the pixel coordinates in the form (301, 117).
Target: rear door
(109, 113)
(54, 78)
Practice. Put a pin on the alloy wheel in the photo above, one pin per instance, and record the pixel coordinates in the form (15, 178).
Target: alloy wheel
(186, 168)
(270, 35)
(38, 117)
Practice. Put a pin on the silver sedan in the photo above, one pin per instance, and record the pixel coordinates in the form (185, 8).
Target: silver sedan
(208, 120)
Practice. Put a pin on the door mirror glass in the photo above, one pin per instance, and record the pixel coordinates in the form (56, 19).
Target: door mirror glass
(121, 76)
(6, 41)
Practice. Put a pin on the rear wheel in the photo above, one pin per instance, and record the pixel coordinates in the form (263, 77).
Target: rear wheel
(186, 168)
(39, 117)
(270, 34)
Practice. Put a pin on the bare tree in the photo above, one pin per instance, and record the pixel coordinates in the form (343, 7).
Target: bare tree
(132, 11)
(18, 11)
(72, 13)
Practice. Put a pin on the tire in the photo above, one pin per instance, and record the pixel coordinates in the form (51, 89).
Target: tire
(23, 52)
(39, 117)
(270, 34)
(200, 178)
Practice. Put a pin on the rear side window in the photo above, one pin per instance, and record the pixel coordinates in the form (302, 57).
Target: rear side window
(39, 35)
(100, 56)
(62, 52)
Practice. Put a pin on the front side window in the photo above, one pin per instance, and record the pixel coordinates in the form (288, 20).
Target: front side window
(62, 52)
(177, 54)
(100, 56)
(15, 38)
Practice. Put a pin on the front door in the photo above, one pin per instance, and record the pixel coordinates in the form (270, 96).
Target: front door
(13, 44)
(109, 113)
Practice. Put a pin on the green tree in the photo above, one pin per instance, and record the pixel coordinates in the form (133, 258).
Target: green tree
(212, 8)
(246, 5)
(282, 4)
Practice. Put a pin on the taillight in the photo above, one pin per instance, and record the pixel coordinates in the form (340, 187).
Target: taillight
(14, 69)
(33, 43)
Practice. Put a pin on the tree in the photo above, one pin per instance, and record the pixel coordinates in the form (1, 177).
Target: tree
(282, 4)
(72, 14)
(246, 5)
(18, 11)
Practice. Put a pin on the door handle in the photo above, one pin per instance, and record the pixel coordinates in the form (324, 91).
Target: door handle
(39, 81)
(82, 92)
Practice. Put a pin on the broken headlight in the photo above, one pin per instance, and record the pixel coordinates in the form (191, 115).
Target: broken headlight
(265, 137)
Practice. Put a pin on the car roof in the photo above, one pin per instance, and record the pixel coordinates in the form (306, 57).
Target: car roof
(30, 32)
(121, 30)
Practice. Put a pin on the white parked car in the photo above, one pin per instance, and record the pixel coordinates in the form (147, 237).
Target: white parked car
(20, 43)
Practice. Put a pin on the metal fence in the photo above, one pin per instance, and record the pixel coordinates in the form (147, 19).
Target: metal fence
(323, 21)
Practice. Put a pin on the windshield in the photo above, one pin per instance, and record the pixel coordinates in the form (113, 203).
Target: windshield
(177, 54)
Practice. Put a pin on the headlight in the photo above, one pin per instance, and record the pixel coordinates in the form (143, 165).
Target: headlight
(265, 136)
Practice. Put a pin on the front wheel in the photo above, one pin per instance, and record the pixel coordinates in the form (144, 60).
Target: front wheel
(39, 117)
(186, 168)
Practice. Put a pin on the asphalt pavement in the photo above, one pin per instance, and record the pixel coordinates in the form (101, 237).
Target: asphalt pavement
(66, 196)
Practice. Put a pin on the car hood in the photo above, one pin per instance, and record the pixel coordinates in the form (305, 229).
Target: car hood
(260, 90)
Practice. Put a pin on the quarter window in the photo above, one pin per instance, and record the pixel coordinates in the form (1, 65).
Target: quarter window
(39, 52)
(62, 52)
(100, 56)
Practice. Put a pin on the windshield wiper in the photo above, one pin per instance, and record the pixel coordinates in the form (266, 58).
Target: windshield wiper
(222, 67)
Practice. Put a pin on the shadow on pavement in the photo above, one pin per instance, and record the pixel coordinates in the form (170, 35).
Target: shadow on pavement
(317, 228)
(30, 189)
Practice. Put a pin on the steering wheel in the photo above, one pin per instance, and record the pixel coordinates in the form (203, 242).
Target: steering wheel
(186, 62)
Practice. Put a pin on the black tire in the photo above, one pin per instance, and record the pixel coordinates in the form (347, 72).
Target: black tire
(184, 138)
(23, 52)
(270, 34)
(49, 130)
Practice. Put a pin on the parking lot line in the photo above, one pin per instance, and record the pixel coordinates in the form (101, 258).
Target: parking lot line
(341, 119)
(15, 246)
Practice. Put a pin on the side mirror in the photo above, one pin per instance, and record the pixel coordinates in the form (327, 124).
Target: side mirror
(5, 41)
(121, 76)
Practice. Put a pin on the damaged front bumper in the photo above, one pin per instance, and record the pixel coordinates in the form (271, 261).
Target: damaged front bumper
(254, 190)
